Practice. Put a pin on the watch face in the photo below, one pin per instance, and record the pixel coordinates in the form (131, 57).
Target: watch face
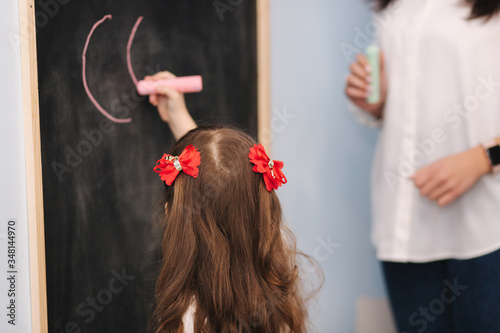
(494, 153)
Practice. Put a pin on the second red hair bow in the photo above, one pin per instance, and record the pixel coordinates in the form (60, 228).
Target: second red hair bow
(169, 167)
(271, 170)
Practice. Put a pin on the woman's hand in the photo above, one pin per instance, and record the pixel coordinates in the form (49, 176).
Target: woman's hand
(358, 85)
(171, 106)
(447, 179)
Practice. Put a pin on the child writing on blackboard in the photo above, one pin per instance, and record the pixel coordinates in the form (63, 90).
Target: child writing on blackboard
(226, 266)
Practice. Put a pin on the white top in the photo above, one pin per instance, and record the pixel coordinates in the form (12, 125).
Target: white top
(188, 318)
(444, 98)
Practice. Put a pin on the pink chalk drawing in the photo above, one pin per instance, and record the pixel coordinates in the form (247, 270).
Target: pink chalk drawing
(84, 76)
(129, 45)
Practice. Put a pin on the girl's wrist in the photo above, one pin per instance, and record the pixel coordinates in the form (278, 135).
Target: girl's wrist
(175, 114)
(180, 123)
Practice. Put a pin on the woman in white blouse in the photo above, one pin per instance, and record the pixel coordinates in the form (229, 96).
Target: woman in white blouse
(435, 194)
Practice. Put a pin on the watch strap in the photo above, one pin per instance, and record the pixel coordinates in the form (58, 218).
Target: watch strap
(492, 149)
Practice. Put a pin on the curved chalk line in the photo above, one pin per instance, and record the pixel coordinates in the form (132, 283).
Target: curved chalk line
(129, 45)
(84, 76)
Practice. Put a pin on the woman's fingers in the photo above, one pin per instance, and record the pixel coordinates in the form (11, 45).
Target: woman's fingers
(447, 198)
(356, 82)
(439, 191)
(359, 70)
(433, 182)
(436, 187)
(433, 186)
(422, 177)
(356, 93)
(363, 61)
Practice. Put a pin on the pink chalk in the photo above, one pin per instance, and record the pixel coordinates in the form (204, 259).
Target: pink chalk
(186, 84)
(129, 45)
(84, 76)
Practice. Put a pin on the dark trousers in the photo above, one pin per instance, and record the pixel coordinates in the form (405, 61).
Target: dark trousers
(447, 296)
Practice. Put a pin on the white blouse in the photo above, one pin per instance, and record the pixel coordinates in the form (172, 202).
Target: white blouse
(444, 98)
(188, 318)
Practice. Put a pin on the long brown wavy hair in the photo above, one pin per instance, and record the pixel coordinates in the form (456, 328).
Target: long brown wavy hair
(479, 8)
(224, 248)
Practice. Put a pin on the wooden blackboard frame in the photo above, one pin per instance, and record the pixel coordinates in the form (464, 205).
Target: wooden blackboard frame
(33, 166)
(33, 147)
(264, 74)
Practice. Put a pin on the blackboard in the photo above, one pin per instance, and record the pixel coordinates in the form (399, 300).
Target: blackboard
(99, 188)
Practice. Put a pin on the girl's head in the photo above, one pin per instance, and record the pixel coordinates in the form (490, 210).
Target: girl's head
(223, 246)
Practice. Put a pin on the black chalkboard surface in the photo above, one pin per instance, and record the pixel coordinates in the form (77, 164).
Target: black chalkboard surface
(99, 186)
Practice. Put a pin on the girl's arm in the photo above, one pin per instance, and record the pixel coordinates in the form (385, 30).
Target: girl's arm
(171, 106)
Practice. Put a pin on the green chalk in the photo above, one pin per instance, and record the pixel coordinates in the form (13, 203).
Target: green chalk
(373, 55)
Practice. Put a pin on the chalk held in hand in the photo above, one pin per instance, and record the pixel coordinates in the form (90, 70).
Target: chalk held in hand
(185, 84)
(373, 55)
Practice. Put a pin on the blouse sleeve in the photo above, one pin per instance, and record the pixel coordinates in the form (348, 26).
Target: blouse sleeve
(363, 117)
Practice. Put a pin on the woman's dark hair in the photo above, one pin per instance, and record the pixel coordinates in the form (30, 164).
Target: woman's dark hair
(224, 246)
(480, 8)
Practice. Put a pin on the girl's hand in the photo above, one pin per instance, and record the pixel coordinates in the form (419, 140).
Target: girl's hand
(447, 179)
(358, 85)
(168, 101)
(171, 106)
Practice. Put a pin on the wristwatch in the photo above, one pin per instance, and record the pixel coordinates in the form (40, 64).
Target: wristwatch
(493, 151)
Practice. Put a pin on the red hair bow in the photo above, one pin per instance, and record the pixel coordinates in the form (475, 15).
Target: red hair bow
(168, 167)
(273, 176)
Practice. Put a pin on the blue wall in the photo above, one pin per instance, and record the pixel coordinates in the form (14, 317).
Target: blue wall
(327, 154)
